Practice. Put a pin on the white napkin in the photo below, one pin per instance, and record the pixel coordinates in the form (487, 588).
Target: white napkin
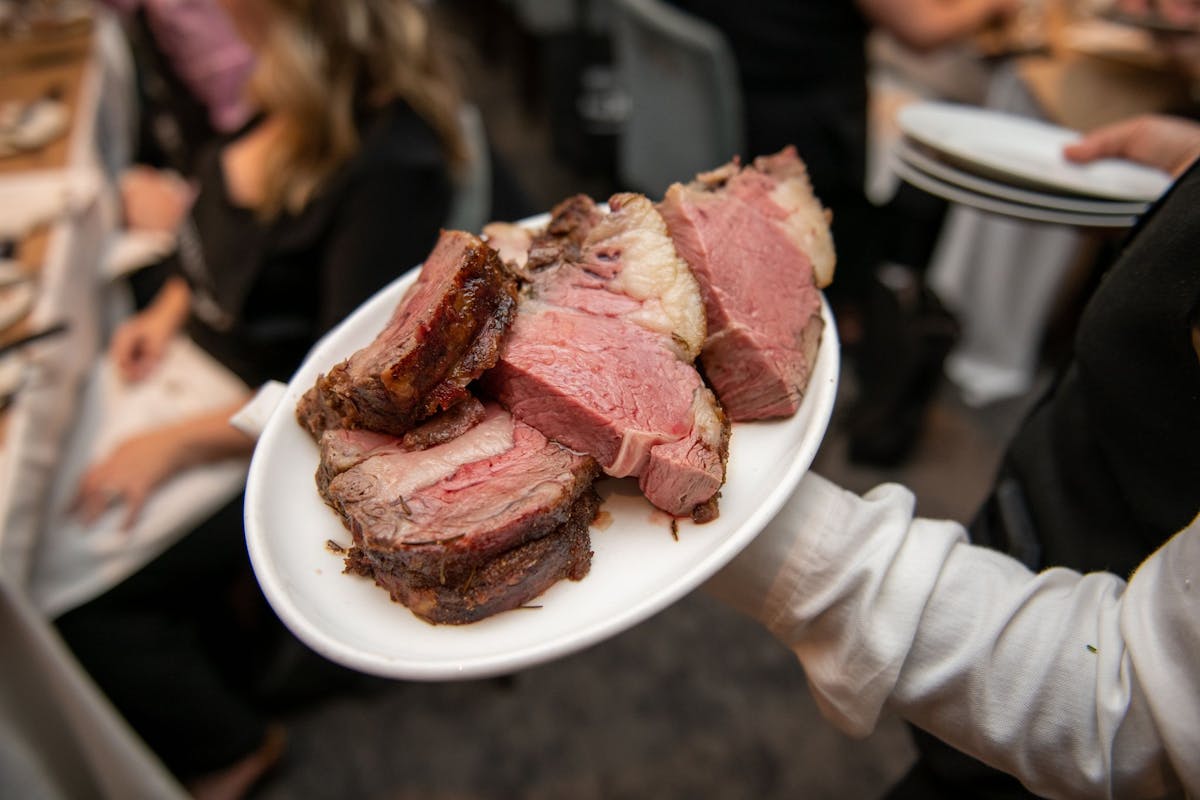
(76, 562)
(130, 251)
(251, 419)
(29, 199)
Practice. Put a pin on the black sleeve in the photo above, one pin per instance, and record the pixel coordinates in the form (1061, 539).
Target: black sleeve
(387, 224)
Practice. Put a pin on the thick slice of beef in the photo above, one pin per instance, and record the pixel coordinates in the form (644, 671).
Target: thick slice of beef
(342, 449)
(609, 388)
(430, 523)
(444, 333)
(508, 581)
(758, 241)
(601, 356)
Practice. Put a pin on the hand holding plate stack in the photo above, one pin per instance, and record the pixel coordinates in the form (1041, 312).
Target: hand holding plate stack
(1012, 165)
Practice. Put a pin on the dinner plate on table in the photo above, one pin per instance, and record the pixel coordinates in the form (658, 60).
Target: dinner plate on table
(1024, 152)
(31, 125)
(16, 300)
(641, 564)
(12, 376)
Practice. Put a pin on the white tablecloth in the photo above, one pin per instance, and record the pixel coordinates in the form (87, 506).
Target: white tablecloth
(76, 561)
(59, 737)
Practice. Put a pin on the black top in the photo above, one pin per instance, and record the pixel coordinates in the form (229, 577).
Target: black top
(803, 74)
(1109, 462)
(263, 293)
(790, 45)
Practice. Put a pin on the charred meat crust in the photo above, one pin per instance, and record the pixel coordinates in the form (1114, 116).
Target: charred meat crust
(450, 561)
(502, 582)
(456, 341)
(570, 222)
(446, 426)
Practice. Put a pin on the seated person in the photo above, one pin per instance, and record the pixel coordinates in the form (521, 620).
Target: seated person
(192, 69)
(339, 184)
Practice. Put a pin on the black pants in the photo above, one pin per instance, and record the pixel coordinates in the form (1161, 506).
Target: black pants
(175, 645)
(828, 127)
(942, 772)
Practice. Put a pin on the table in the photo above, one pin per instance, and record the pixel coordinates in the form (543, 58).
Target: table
(58, 734)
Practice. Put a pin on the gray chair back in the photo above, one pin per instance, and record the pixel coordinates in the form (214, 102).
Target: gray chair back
(686, 102)
(471, 205)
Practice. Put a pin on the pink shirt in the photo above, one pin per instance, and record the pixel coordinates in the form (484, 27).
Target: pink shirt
(199, 40)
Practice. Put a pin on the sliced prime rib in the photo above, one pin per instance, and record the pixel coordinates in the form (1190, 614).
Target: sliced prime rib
(508, 581)
(600, 355)
(445, 425)
(624, 264)
(465, 528)
(444, 333)
(758, 240)
(619, 263)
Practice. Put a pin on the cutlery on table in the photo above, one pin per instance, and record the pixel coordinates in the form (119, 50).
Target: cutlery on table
(29, 338)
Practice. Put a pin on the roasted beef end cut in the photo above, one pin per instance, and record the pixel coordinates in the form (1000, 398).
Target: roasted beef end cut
(564, 235)
(445, 332)
(509, 580)
(758, 241)
(452, 528)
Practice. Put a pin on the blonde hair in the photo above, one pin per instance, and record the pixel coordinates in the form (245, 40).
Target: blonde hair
(321, 61)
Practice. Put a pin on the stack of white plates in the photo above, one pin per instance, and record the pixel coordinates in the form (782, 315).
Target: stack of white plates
(1015, 166)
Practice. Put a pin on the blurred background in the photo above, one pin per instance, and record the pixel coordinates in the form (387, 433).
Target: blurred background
(942, 353)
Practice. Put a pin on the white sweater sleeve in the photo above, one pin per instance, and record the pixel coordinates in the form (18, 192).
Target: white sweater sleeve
(1077, 684)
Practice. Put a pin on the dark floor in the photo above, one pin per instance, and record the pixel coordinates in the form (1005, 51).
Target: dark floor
(696, 702)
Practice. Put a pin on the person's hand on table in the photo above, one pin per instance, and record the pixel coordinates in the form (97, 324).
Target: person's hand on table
(139, 343)
(142, 463)
(1168, 143)
(128, 475)
(154, 199)
(1178, 12)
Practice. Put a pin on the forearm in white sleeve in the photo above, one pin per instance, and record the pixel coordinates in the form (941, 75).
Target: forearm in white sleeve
(1075, 684)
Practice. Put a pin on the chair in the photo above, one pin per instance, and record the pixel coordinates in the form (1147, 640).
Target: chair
(686, 109)
(471, 205)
